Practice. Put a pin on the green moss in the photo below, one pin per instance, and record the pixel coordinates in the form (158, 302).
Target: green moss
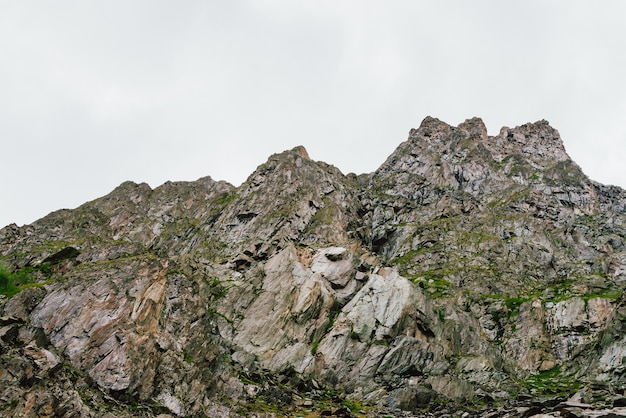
(591, 221)
(502, 200)
(123, 259)
(9, 404)
(407, 258)
(513, 304)
(562, 291)
(53, 246)
(324, 216)
(606, 294)
(220, 314)
(11, 283)
(328, 325)
(187, 357)
(284, 210)
(215, 249)
(551, 382)
(353, 406)
(564, 173)
(433, 282)
(218, 289)
(226, 197)
(7, 283)
(261, 405)
(441, 313)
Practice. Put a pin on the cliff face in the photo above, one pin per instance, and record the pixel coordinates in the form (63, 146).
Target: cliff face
(469, 270)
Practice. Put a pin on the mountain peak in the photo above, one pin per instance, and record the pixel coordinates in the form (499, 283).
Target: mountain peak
(430, 126)
(301, 151)
(466, 158)
(474, 127)
(435, 130)
(460, 270)
(538, 139)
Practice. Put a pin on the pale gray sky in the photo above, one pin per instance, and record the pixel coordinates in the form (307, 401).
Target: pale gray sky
(93, 93)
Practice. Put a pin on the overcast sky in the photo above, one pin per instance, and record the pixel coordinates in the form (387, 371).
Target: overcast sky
(93, 93)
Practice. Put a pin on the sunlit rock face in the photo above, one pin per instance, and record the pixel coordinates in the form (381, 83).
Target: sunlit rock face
(469, 271)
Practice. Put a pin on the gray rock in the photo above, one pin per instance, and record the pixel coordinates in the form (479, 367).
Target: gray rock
(467, 267)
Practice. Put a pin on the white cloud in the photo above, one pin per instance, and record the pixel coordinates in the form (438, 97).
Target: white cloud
(152, 91)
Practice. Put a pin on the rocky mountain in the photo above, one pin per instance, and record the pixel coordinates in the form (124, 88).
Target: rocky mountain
(470, 274)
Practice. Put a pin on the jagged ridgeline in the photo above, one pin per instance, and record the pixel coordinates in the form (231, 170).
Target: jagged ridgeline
(473, 272)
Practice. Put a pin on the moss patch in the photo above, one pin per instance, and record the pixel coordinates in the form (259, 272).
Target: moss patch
(11, 283)
(551, 382)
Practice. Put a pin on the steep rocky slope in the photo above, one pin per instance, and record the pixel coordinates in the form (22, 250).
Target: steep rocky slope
(468, 272)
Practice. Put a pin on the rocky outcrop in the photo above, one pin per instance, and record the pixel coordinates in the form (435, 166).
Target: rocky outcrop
(468, 272)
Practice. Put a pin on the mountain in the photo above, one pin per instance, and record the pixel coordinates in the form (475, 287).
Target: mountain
(472, 273)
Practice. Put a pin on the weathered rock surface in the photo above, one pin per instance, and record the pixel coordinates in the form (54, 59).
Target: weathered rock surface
(468, 273)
